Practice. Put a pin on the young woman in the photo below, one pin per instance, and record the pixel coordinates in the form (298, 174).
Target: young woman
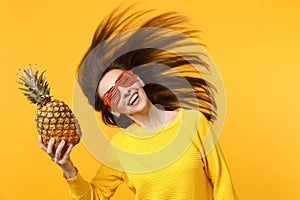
(136, 76)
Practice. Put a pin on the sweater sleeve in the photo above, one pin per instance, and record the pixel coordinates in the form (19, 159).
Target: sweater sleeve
(216, 168)
(101, 187)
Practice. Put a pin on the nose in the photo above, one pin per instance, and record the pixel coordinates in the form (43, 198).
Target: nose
(125, 92)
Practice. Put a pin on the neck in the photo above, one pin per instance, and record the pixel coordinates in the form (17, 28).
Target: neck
(152, 117)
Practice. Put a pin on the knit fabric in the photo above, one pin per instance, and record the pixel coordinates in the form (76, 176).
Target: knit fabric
(181, 161)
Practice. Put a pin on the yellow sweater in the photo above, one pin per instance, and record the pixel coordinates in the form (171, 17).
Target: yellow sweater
(174, 163)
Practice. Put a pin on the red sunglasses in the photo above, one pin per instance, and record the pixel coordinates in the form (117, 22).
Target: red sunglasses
(112, 97)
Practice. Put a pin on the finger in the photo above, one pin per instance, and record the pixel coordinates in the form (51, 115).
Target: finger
(50, 147)
(67, 153)
(42, 146)
(58, 151)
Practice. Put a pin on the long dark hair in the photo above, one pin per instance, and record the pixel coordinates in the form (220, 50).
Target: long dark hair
(149, 47)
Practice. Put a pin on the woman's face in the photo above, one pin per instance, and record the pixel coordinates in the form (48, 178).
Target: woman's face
(123, 92)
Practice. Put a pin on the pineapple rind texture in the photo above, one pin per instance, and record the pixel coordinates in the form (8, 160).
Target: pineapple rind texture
(55, 119)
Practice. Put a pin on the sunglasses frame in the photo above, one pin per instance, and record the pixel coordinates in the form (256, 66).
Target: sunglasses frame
(113, 96)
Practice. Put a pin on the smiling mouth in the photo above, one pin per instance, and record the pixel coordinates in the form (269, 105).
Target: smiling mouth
(133, 99)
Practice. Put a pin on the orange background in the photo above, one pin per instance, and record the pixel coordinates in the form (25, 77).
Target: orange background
(255, 45)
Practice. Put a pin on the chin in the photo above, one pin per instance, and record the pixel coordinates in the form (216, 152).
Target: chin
(141, 107)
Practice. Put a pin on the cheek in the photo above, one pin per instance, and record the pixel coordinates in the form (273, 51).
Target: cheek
(121, 107)
(143, 97)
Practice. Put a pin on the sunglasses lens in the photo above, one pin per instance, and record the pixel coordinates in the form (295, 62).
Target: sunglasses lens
(126, 79)
(111, 97)
(115, 97)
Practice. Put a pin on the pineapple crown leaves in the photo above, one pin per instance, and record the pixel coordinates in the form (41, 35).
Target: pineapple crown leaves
(35, 86)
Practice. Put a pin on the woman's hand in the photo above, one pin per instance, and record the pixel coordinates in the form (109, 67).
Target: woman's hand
(64, 161)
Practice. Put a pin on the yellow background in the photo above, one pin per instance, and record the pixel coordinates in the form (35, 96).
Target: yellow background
(255, 45)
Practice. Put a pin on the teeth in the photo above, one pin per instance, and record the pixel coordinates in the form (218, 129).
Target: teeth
(133, 98)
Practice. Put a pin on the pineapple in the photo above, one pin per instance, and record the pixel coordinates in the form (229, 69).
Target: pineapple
(53, 117)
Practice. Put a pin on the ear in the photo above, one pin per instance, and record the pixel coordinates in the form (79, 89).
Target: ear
(140, 81)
